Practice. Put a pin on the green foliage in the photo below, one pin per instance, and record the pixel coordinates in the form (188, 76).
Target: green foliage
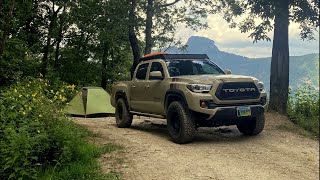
(76, 36)
(16, 61)
(85, 166)
(33, 130)
(303, 107)
(168, 16)
(258, 16)
(35, 134)
(84, 42)
(59, 91)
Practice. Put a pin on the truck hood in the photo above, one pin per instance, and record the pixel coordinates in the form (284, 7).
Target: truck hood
(209, 79)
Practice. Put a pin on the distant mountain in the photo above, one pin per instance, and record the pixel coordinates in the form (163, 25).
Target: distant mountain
(302, 68)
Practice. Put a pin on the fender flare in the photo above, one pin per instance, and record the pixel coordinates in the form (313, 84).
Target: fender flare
(177, 94)
(122, 94)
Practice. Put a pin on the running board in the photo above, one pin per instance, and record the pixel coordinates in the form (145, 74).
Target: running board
(147, 114)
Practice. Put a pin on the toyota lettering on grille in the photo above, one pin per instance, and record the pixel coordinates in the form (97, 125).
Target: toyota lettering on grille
(240, 90)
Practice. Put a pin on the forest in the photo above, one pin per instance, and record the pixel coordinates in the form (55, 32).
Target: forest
(49, 49)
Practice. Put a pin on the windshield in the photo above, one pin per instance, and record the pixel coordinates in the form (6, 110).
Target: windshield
(192, 67)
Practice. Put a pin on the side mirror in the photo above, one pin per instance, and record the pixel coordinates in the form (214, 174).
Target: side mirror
(227, 71)
(156, 75)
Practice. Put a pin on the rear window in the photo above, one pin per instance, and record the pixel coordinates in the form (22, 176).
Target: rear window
(142, 71)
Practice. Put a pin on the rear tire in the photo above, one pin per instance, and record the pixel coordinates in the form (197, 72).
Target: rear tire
(123, 116)
(250, 127)
(180, 123)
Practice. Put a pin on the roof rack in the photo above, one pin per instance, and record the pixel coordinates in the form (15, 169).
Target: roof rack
(154, 53)
(174, 56)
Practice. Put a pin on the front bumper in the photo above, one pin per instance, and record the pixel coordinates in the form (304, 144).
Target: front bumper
(231, 112)
(193, 101)
(228, 116)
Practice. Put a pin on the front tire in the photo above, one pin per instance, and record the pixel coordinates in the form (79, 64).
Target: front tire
(180, 123)
(250, 127)
(123, 116)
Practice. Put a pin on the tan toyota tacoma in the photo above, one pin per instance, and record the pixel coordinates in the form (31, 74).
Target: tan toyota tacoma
(190, 91)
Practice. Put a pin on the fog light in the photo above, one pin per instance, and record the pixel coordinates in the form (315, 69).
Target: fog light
(203, 104)
(263, 101)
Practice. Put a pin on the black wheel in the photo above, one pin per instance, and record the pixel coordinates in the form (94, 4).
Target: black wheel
(123, 116)
(180, 123)
(252, 126)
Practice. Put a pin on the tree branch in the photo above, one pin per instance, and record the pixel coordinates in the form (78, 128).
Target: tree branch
(169, 4)
(168, 47)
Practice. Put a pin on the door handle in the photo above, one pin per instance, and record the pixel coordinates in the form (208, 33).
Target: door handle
(147, 86)
(133, 86)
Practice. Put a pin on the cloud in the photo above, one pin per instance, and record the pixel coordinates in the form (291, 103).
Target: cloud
(232, 40)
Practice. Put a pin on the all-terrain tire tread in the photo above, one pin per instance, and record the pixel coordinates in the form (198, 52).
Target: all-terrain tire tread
(188, 124)
(260, 121)
(126, 120)
(250, 128)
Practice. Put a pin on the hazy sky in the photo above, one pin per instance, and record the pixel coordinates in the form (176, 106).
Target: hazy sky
(231, 40)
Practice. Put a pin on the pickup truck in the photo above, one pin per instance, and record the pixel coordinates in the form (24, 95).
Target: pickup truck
(189, 91)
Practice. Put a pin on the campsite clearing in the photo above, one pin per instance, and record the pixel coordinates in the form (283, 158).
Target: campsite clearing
(216, 153)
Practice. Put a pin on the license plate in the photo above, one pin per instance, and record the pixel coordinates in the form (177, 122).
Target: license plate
(243, 111)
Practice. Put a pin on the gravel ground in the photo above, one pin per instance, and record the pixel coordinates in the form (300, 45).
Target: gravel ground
(216, 153)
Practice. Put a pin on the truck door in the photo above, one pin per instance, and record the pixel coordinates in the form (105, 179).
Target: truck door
(137, 89)
(155, 91)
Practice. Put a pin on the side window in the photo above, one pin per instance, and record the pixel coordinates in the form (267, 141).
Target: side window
(142, 71)
(156, 66)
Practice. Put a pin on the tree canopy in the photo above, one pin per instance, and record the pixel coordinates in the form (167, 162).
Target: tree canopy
(259, 15)
(81, 42)
(262, 16)
(72, 39)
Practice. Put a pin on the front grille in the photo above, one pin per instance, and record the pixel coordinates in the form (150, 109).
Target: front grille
(237, 91)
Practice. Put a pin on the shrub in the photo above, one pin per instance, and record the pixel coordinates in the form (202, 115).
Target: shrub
(34, 132)
(303, 107)
(84, 167)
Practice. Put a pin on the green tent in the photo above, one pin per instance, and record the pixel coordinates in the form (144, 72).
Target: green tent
(91, 100)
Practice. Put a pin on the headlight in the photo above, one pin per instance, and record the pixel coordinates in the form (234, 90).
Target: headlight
(260, 85)
(199, 88)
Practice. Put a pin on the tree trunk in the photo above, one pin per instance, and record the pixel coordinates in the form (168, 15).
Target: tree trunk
(45, 59)
(7, 19)
(1, 10)
(59, 39)
(56, 56)
(150, 13)
(279, 76)
(104, 67)
(3, 42)
(132, 36)
(32, 34)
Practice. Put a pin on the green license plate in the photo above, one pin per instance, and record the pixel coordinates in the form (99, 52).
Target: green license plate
(243, 111)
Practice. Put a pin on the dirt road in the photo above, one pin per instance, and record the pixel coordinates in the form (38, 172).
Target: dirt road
(216, 153)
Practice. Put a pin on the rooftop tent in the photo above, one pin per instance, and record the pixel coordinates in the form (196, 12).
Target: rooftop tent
(90, 100)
